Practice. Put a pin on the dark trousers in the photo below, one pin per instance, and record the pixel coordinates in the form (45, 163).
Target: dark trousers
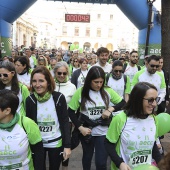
(97, 143)
(54, 156)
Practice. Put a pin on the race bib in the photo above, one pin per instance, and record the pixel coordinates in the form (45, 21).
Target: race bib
(82, 80)
(47, 128)
(12, 167)
(140, 157)
(95, 112)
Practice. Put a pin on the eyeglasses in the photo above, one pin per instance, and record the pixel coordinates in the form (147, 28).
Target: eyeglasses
(116, 71)
(62, 73)
(151, 100)
(152, 65)
(76, 61)
(5, 74)
(41, 59)
(135, 56)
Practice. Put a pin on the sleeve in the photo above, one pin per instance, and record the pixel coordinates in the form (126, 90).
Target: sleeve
(74, 78)
(74, 104)
(73, 117)
(111, 150)
(32, 130)
(162, 91)
(114, 130)
(119, 106)
(25, 94)
(156, 154)
(135, 80)
(127, 86)
(38, 155)
(64, 122)
(114, 97)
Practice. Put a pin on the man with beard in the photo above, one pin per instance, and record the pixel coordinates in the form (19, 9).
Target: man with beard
(102, 55)
(152, 76)
(131, 68)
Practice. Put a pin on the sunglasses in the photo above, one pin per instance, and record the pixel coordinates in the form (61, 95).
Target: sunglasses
(151, 100)
(76, 61)
(116, 71)
(62, 73)
(152, 65)
(5, 74)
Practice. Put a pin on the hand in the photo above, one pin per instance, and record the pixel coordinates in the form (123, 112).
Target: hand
(85, 131)
(124, 166)
(66, 153)
(106, 114)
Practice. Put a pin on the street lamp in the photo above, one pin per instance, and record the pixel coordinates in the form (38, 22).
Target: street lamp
(150, 3)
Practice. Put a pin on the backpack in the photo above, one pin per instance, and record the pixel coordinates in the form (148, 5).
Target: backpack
(125, 65)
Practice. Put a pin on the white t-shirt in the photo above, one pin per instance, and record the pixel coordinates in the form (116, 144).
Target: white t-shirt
(137, 140)
(24, 79)
(48, 123)
(107, 68)
(117, 85)
(81, 78)
(131, 71)
(14, 149)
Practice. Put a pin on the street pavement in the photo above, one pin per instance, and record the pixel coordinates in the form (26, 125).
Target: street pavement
(76, 156)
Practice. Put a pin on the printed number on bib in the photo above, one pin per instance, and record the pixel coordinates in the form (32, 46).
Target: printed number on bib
(140, 157)
(12, 167)
(47, 127)
(82, 80)
(95, 112)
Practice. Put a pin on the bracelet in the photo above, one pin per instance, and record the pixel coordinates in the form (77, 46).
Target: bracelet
(109, 111)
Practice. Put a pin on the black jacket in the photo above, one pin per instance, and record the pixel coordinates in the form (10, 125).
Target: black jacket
(61, 111)
(75, 76)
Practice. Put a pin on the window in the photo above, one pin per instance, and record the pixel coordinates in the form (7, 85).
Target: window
(98, 16)
(111, 17)
(87, 32)
(110, 33)
(64, 30)
(98, 32)
(76, 31)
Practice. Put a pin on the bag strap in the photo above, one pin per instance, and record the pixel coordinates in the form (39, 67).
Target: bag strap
(107, 77)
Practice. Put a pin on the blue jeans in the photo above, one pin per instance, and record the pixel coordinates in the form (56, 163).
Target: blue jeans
(101, 155)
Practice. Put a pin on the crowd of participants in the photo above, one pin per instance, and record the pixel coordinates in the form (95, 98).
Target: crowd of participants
(107, 97)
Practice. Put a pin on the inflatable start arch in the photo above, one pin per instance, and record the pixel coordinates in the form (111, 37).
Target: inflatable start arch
(135, 10)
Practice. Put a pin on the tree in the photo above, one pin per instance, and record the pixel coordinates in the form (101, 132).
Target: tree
(165, 31)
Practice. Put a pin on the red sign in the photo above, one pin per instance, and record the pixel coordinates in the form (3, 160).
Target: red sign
(77, 18)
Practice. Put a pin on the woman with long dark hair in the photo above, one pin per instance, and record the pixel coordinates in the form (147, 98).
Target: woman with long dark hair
(94, 101)
(9, 80)
(130, 140)
(23, 70)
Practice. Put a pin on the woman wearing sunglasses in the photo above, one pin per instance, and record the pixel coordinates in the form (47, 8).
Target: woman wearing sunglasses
(42, 61)
(78, 76)
(118, 81)
(9, 80)
(76, 64)
(95, 104)
(130, 139)
(23, 70)
(48, 109)
(64, 86)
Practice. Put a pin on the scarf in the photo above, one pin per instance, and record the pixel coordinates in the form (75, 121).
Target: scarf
(10, 125)
(66, 80)
(116, 77)
(45, 98)
(23, 72)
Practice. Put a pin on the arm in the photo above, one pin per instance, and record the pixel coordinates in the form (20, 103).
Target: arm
(38, 155)
(74, 77)
(64, 122)
(156, 154)
(111, 150)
